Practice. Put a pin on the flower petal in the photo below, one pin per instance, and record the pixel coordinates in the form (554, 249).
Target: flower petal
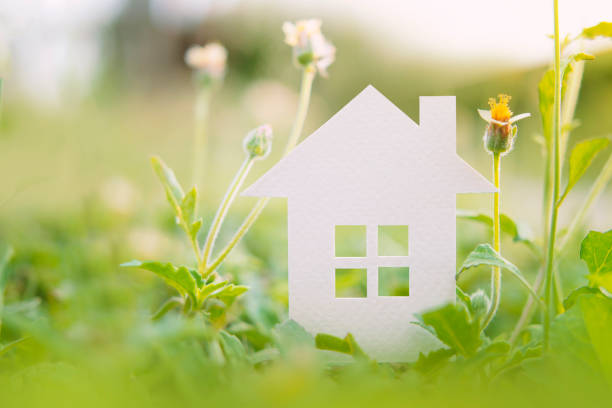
(485, 114)
(519, 117)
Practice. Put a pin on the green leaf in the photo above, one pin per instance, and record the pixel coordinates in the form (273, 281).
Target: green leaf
(596, 251)
(581, 157)
(195, 228)
(174, 192)
(484, 254)
(229, 293)
(488, 353)
(5, 348)
(347, 345)
(188, 206)
(291, 335)
(433, 361)
(518, 232)
(603, 29)
(453, 326)
(233, 350)
(546, 91)
(580, 338)
(4, 260)
(546, 97)
(264, 356)
(571, 299)
(181, 278)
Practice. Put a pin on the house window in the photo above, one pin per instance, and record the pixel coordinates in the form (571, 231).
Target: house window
(351, 283)
(393, 240)
(393, 281)
(371, 260)
(350, 240)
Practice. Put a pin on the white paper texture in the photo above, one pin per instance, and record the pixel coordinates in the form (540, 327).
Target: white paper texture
(371, 165)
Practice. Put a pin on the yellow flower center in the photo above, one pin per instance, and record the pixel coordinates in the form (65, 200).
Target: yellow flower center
(500, 110)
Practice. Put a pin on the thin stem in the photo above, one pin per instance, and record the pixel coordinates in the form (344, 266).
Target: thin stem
(308, 76)
(200, 115)
(556, 140)
(496, 272)
(569, 104)
(224, 207)
(298, 125)
(248, 222)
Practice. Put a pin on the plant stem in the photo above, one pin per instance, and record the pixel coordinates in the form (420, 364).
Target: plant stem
(308, 76)
(496, 272)
(201, 108)
(598, 187)
(248, 222)
(556, 140)
(223, 208)
(569, 104)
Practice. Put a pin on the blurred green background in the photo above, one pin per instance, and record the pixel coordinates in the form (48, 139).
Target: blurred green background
(78, 195)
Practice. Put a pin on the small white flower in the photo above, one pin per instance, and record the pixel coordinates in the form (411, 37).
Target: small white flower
(309, 44)
(210, 59)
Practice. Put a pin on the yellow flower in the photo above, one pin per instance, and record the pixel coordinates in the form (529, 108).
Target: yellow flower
(500, 132)
(500, 110)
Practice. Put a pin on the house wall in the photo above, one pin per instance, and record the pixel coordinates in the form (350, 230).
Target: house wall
(382, 325)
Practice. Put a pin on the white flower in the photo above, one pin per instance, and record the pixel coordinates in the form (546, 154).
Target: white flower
(210, 59)
(309, 45)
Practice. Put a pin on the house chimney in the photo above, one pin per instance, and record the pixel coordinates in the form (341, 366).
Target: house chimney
(438, 122)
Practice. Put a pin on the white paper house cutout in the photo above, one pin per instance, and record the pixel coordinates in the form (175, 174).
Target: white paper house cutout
(371, 165)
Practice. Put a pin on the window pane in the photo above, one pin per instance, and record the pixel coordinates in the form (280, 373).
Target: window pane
(351, 283)
(350, 240)
(393, 240)
(393, 281)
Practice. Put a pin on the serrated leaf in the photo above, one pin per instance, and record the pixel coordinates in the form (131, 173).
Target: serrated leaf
(484, 254)
(453, 326)
(188, 206)
(347, 345)
(181, 278)
(581, 157)
(596, 251)
(433, 361)
(174, 191)
(580, 338)
(603, 29)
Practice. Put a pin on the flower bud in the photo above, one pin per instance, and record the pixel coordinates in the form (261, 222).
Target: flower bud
(258, 142)
(500, 132)
(499, 138)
